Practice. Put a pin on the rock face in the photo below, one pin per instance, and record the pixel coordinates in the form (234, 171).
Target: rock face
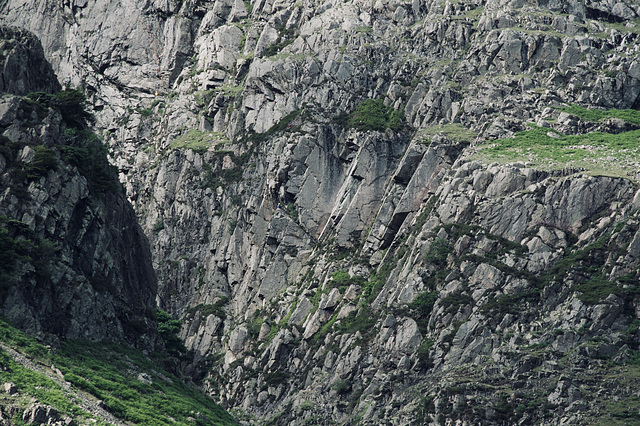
(340, 261)
(75, 262)
(24, 67)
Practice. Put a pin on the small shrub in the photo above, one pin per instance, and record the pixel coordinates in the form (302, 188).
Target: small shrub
(421, 308)
(423, 353)
(341, 278)
(291, 211)
(373, 114)
(146, 112)
(43, 161)
(437, 252)
(454, 301)
(275, 378)
(158, 226)
(168, 328)
(341, 387)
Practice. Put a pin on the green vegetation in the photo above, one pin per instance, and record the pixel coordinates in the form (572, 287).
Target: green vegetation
(595, 115)
(69, 102)
(39, 386)
(19, 244)
(454, 301)
(341, 387)
(285, 38)
(372, 288)
(590, 263)
(421, 308)
(197, 140)
(437, 252)
(364, 30)
(623, 408)
(291, 211)
(222, 178)
(158, 226)
(597, 153)
(204, 97)
(423, 353)
(131, 385)
(84, 150)
(373, 114)
(230, 90)
(453, 131)
(285, 123)
(595, 289)
(44, 160)
(216, 309)
(168, 328)
(362, 321)
(79, 146)
(275, 378)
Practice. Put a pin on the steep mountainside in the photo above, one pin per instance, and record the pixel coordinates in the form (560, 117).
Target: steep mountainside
(75, 263)
(380, 212)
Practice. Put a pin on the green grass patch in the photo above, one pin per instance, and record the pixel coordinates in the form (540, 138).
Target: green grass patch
(595, 115)
(454, 131)
(38, 385)
(597, 153)
(197, 140)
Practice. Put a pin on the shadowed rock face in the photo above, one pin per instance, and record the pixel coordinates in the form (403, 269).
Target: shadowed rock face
(24, 67)
(75, 262)
(329, 274)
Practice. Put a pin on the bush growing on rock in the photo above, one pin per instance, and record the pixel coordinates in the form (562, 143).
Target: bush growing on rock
(373, 114)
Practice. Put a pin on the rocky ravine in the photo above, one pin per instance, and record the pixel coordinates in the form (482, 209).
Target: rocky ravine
(332, 274)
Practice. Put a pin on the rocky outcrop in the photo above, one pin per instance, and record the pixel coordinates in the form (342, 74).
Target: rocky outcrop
(75, 262)
(332, 268)
(24, 67)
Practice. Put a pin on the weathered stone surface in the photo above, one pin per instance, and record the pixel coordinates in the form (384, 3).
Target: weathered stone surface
(10, 388)
(274, 192)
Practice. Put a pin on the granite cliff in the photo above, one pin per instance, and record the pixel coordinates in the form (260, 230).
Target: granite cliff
(389, 212)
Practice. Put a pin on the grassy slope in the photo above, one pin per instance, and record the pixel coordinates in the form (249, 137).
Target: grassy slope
(598, 153)
(131, 386)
